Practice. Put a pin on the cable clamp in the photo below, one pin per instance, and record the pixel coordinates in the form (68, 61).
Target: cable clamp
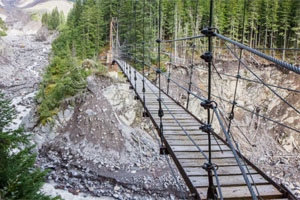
(158, 71)
(238, 76)
(206, 128)
(207, 57)
(158, 41)
(208, 32)
(168, 79)
(231, 116)
(206, 104)
(143, 90)
(160, 112)
(210, 166)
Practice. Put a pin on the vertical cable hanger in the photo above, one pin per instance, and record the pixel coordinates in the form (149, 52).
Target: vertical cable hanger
(135, 51)
(130, 48)
(144, 90)
(163, 149)
(207, 57)
(171, 51)
(192, 59)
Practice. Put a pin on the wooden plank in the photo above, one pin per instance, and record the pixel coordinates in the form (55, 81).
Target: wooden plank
(176, 128)
(186, 161)
(194, 148)
(172, 119)
(170, 107)
(184, 137)
(235, 180)
(190, 132)
(225, 170)
(184, 123)
(242, 192)
(190, 143)
(157, 103)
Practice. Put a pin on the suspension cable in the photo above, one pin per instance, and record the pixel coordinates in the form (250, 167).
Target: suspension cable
(260, 54)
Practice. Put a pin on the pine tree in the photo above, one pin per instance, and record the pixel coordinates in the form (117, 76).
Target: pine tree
(3, 28)
(19, 179)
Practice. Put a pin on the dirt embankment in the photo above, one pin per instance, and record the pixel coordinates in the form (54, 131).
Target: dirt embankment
(104, 151)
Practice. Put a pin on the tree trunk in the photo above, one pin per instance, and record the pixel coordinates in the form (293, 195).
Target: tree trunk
(284, 44)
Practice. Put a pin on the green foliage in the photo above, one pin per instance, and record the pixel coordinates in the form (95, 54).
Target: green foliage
(100, 70)
(19, 179)
(54, 19)
(62, 79)
(80, 38)
(3, 28)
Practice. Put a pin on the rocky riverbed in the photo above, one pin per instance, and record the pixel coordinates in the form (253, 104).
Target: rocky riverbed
(99, 148)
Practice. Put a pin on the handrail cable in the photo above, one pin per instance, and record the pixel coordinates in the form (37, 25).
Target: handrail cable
(260, 54)
(273, 91)
(234, 153)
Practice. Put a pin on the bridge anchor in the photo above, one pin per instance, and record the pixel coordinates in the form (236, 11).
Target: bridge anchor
(145, 114)
(163, 150)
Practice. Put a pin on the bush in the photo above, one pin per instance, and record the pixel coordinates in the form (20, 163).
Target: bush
(61, 80)
(100, 70)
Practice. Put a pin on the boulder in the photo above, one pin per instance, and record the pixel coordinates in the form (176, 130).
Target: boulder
(42, 34)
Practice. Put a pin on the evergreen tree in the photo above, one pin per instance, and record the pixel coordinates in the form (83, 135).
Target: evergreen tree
(19, 179)
(3, 28)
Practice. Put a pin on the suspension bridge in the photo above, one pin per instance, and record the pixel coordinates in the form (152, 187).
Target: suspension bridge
(212, 166)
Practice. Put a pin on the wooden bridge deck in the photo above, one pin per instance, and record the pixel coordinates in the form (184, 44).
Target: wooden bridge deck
(186, 156)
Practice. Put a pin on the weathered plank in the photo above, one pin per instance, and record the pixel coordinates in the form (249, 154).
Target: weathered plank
(225, 170)
(194, 148)
(184, 137)
(242, 192)
(190, 143)
(187, 161)
(234, 180)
